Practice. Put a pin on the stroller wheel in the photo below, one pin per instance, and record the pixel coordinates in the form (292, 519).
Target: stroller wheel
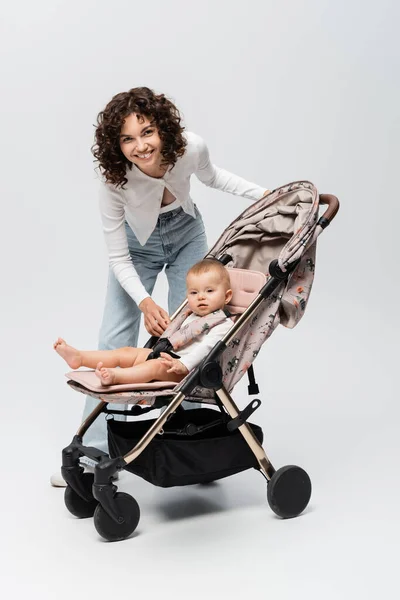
(289, 491)
(127, 508)
(76, 505)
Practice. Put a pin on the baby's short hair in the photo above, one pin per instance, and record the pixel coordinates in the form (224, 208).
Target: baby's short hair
(211, 265)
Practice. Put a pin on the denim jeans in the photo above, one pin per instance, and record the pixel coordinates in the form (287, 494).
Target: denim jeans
(177, 242)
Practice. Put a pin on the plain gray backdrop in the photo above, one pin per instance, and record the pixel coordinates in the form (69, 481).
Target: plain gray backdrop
(280, 91)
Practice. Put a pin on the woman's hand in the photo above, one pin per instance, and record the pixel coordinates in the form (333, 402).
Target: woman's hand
(173, 364)
(155, 317)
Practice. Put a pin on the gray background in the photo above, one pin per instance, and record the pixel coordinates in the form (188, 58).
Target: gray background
(280, 91)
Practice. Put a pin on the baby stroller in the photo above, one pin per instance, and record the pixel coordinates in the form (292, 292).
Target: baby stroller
(269, 251)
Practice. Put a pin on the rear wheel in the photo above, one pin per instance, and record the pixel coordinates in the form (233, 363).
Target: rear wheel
(289, 491)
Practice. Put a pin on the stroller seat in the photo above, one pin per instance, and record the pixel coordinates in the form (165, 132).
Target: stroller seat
(245, 286)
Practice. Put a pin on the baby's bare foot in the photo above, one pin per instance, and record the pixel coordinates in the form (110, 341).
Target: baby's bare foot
(71, 356)
(106, 376)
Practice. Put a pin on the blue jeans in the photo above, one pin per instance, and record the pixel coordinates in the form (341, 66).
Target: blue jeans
(177, 242)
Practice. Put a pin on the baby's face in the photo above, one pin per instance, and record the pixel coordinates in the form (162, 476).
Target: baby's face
(206, 293)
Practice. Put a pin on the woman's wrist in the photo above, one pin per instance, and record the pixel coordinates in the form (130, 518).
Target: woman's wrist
(144, 303)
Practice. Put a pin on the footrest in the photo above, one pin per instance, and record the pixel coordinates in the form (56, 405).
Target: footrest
(91, 382)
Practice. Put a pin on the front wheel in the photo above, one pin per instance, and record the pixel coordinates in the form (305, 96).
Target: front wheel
(76, 505)
(289, 491)
(129, 513)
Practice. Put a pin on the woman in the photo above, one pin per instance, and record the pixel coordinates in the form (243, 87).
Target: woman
(149, 220)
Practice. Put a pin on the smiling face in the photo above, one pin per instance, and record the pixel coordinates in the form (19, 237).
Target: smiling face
(140, 143)
(207, 292)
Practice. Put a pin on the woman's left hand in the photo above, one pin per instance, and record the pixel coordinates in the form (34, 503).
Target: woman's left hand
(156, 319)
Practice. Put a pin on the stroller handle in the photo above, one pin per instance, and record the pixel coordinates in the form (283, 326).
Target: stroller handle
(333, 207)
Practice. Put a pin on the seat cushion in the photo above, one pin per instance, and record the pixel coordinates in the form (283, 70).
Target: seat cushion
(245, 287)
(90, 381)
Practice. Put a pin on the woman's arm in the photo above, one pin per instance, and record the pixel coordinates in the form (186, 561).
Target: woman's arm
(112, 212)
(217, 178)
(113, 220)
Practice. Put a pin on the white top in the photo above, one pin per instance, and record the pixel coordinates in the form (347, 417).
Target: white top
(192, 354)
(140, 202)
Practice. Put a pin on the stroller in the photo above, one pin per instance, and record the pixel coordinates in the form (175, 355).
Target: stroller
(269, 251)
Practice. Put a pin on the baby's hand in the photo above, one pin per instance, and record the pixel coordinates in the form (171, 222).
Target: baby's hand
(173, 364)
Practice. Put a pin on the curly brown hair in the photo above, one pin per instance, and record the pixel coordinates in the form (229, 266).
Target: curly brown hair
(143, 101)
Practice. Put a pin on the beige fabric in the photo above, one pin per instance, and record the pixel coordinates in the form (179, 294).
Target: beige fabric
(91, 382)
(245, 286)
(140, 397)
(275, 227)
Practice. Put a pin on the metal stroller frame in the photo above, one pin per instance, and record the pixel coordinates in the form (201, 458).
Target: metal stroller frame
(116, 514)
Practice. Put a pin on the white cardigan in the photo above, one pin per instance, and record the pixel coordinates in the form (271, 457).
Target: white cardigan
(139, 204)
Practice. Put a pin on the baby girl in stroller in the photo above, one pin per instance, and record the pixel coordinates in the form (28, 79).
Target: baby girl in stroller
(208, 291)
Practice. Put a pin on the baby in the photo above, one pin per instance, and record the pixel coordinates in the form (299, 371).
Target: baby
(208, 289)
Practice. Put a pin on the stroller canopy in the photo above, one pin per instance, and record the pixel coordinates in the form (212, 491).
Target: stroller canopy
(283, 226)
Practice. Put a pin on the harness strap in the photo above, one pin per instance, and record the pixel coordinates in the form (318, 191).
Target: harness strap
(176, 336)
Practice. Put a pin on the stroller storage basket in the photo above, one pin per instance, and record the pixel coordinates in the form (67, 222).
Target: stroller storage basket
(173, 459)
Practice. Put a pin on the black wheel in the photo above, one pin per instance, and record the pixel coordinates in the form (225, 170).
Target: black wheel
(128, 508)
(77, 505)
(289, 491)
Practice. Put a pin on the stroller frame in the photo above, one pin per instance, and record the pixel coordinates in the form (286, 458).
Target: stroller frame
(116, 514)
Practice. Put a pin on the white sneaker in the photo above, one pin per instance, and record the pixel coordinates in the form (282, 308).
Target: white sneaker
(57, 480)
